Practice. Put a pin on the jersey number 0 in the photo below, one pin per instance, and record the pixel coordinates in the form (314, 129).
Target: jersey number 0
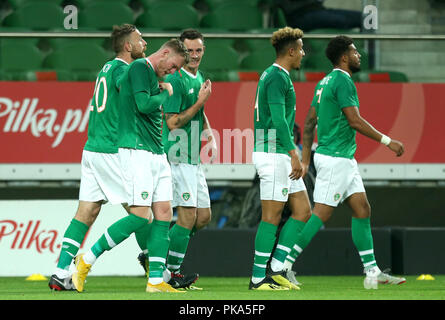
(100, 82)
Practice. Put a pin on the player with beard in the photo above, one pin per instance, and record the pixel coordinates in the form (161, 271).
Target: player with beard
(101, 178)
(335, 112)
(145, 169)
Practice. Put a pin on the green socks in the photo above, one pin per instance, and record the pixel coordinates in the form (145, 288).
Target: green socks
(289, 233)
(72, 240)
(179, 240)
(158, 244)
(264, 242)
(141, 236)
(115, 234)
(304, 238)
(362, 238)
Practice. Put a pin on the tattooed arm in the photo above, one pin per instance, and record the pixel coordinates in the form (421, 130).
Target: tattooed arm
(178, 120)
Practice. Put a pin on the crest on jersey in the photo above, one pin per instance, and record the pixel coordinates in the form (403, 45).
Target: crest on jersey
(144, 195)
(186, 196)
(337, 197)
(285, 191)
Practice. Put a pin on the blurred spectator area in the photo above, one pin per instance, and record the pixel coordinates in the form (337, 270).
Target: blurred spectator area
(226, 59)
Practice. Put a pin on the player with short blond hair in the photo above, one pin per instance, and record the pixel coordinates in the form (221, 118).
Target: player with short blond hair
(146, 172)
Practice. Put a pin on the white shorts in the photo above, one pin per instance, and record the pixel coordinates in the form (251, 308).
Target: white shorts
(147, 177)
(189, 186)
(337, 179)
(101, 178)
(273, 170)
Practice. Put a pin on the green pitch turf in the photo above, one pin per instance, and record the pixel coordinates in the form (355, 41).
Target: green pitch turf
(313, 288)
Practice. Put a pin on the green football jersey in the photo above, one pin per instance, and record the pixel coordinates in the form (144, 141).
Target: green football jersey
(274, 115)
(333, 93)
(103, 122)
(138, 130)
(185, 143)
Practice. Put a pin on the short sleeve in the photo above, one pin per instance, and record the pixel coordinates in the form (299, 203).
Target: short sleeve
(276, 90)
(174, 102)
(118, 72)
(346, 93)
(316, 97)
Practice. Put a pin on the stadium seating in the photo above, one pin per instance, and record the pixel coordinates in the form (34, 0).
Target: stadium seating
(219, 57)
(102, 15)
(234, 16)
(277, 17)
(153, 44)
(258, 60)
(258, 44)
(20, 3)
(36, 15)
(84, 3)
(181, 15)
(213, 4)
(80, 63)
(20, 60)
(11, 42)
(56, 43)
(147, 4)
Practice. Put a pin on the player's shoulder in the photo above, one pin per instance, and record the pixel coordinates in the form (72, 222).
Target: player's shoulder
(176, 79)
(341, 76)
(107, 66)
(176, 76)
(141, 62)
(275, 73)
(118, 64)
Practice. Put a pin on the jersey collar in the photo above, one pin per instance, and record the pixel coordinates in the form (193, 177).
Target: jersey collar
(149, 62)
(342, 71)
(278, 66)
(121, 60)
(190, 74)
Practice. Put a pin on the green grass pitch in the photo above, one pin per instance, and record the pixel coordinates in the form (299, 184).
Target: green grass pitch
(313, 288)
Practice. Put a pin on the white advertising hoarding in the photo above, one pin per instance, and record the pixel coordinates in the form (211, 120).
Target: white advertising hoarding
(31, 233)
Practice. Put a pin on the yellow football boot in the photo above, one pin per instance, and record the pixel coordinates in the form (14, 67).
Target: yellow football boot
(81, 272)
(161, 287)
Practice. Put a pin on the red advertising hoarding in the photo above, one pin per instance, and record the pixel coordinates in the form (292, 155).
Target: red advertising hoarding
(46, 122)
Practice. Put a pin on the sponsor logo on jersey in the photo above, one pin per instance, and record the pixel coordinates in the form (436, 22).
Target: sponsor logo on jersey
(191, 91)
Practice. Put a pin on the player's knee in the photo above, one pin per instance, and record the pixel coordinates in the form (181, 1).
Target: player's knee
(364, 211)
(87, 212)
(302, 213)
(203, 219)
(186, 217)
(272, 219)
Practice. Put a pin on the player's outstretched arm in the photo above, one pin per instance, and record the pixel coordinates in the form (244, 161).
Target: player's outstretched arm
(364, 127)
